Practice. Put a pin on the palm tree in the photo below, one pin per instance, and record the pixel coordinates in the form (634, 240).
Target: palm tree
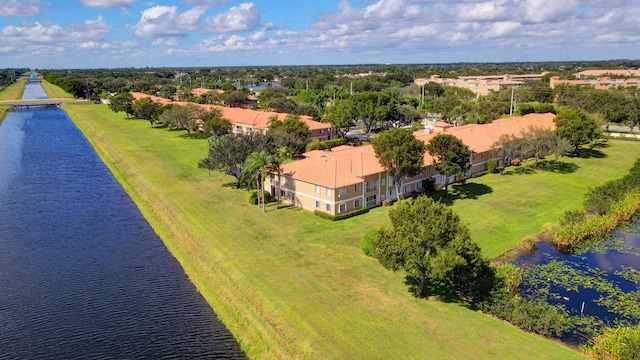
(257, 164)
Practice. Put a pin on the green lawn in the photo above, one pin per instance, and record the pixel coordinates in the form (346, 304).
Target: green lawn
(287, 283)
(503, 209)
(11, 92)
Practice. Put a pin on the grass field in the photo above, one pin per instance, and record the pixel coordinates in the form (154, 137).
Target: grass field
(11, 92)
(287, 283)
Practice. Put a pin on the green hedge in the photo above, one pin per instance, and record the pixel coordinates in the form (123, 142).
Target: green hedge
(342, 216)
(324, 145)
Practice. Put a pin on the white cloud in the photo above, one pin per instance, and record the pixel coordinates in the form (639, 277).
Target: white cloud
(105, 4)
(49, 32)
(244, 17)
(500, 29)
(538, 11)
(165, 42)
(166, 21)
(21, 8)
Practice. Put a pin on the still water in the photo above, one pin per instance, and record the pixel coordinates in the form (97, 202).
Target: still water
(82, 274)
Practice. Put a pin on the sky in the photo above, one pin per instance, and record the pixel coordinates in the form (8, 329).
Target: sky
(73, 34)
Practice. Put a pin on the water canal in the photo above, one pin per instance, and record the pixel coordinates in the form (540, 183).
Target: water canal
(83, 274)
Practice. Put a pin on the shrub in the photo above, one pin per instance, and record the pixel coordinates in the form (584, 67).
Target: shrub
(429, 185)
(545, 108)
(525, 109)
(481, 173)
(511, 276)
(387, 202)
(492, 165)
(616, 343)
(252, 196)
(342, 216)
(516, 162)
(367, 242)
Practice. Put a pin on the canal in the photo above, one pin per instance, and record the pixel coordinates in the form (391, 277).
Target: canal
(83, 274)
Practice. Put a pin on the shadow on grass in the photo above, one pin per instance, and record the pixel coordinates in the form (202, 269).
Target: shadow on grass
(556, 166)
(437, 289)
(588, 153)
(468, 190)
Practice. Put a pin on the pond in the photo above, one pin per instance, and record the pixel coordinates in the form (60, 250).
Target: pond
(599, 280)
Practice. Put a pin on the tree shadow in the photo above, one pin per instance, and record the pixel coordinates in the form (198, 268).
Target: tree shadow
(556, 166)
(437, 289)
(583, 153)
(470, 190)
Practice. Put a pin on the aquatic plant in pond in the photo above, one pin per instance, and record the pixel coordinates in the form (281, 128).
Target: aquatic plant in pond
(598, 283)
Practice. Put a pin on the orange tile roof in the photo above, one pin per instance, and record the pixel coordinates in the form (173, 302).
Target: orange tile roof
(347, 165)
(254, 118)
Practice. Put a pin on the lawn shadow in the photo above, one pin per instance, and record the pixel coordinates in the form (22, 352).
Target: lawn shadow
(588, 154)
(556, 166)
(437, 289)
(231, 184)
(470, 190)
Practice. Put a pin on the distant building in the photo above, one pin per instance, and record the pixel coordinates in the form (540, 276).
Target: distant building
(603, 83)
(483, 85)
(604, 72)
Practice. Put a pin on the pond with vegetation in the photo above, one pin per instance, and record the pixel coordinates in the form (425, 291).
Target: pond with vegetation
(597, 284)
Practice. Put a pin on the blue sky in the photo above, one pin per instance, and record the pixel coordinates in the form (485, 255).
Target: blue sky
(206, 33)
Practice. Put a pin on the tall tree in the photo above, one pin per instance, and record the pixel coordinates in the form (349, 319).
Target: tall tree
(182, 117)
(214, 124)
(145, 108)
(632, 109)
(122, 102)
(427, 240)
(577, 127)
(258, 165)
(401, 154)
(372, 108)
(341, 116)
(538, 143)
(451, 156)
(228, 153)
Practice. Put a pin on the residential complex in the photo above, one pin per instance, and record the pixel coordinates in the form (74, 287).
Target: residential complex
(482, 85)
(347, 178)
(602, 83)
(248, 120)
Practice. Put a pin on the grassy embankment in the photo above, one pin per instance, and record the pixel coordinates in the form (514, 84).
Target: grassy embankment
(11, 92)
(287, 283)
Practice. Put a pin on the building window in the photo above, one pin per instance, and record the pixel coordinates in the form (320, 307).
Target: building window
(357, 188)
(372, 185)
(407, 189)
(293, 182)
(282, 194)
(342, 208)
(342, 191)
(328, 207)
(419, 185)
(356, 204)
(372, 200)
(328, 191)
(317, 189)
(317, 204)
(283, 180)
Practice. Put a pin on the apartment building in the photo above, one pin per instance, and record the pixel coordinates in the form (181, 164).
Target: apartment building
(348, 178)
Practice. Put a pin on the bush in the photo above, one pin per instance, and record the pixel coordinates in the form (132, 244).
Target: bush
(616, 343)
(528, 244)
(252, 196)
(429, 185)
(545, 108)
(325, 145)
(367, 242)
(387, 202)
(492, 165)
(525, 109)
(516, 162)
(342, 216)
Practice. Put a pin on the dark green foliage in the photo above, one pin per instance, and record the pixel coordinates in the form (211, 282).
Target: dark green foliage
(252, 197)
(451, 156)
(524, 109)
(429, 185)
(598, 200)
(400, 153)
(492, 165)
(122, 102)
(544, 108)
(577, 127)
(342, 216)
(316, 144)
(428, 241)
